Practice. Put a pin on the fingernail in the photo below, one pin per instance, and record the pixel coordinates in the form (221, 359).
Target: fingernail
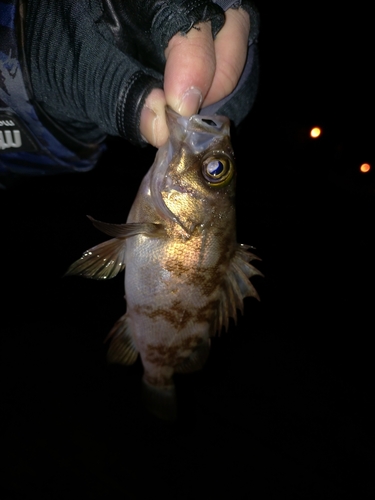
(149, 118)
(190, 102)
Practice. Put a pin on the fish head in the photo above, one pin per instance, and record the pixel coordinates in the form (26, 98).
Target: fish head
(193, 181)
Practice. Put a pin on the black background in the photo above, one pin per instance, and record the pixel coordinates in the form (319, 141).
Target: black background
(284, 405)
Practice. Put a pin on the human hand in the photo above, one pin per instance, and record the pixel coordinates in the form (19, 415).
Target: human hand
(199, 71)
(93, 65)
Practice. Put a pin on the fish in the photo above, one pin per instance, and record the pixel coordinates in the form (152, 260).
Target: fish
(185, 273)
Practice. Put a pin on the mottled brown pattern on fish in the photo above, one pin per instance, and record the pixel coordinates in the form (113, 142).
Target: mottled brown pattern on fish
(177, 318)
(162, 355)
(178, 315)
(160, 380)
(205, 278)
(209, 278)
(205, 314)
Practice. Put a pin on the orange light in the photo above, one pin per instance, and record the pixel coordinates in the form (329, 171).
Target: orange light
(315, 132)
(365, 167)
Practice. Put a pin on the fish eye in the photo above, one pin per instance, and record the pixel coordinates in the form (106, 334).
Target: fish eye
(217, 169)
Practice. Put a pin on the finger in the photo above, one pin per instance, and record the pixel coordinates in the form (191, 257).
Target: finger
(230, 50)
(190, 69)
(153, 125)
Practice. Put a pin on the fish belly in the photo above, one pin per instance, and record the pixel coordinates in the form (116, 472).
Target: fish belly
(170, 316)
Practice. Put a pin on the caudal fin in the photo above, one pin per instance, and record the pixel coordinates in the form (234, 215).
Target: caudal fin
(160, 401)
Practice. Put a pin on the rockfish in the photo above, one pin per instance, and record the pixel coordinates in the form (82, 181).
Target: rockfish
(185, 273)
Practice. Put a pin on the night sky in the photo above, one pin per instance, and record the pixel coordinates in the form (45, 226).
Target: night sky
(284, 406)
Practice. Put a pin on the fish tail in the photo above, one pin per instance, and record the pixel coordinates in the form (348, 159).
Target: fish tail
(160, 400)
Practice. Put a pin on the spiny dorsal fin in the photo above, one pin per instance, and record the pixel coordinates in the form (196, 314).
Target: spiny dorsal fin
(236, 287)
(122, 349)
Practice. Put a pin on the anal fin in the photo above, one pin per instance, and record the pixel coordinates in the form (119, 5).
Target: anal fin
(122, 349)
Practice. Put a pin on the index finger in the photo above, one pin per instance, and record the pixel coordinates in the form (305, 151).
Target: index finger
(231, 50)
(190, 69)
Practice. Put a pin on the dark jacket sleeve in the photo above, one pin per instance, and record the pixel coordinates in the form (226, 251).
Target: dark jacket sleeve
(92, 63)
(93, 80)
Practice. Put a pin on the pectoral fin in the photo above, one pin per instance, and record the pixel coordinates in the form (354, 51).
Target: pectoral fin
(103, 261)
(129, 229)
(106, 260)
(122, 349)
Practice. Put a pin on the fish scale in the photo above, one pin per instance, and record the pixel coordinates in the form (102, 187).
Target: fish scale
(185, 273)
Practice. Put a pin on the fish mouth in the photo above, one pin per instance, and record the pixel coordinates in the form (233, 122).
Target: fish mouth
(199, 131)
